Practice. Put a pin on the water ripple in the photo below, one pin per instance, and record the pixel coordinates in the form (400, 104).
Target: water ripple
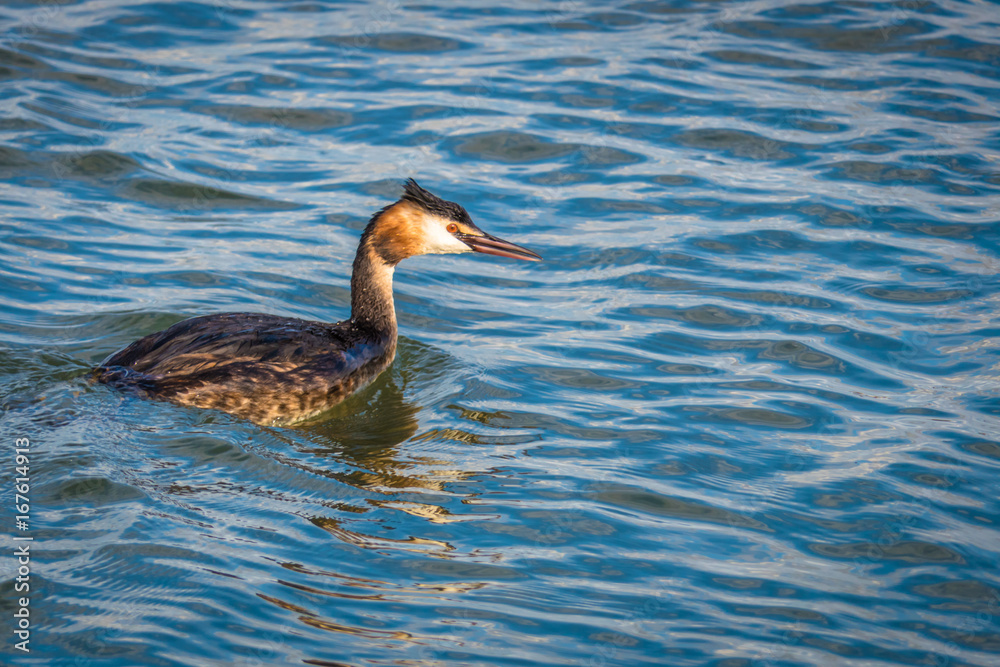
(744, 413)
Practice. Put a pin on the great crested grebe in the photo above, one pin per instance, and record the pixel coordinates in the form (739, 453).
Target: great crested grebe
(281, 370)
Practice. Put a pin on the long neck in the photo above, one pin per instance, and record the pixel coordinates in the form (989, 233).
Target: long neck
(371, 291)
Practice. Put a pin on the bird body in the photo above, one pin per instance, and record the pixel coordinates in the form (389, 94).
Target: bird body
(279, 370)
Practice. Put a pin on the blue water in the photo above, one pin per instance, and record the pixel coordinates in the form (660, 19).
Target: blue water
(746, 413)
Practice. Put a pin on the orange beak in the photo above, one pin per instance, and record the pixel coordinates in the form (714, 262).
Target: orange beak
(491, 245)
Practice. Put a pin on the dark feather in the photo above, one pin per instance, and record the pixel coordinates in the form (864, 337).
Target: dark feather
(262, 367)
(434, 204)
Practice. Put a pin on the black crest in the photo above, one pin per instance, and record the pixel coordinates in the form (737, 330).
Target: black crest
(434, 204)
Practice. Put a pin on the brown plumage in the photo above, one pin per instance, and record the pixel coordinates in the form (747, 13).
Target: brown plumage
(280, 370)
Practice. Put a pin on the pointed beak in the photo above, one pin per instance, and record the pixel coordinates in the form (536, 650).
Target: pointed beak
(491, 245)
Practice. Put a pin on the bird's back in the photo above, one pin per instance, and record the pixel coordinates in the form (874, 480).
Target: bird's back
(266, 368)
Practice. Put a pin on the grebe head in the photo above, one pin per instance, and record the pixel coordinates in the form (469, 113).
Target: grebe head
(421, 223)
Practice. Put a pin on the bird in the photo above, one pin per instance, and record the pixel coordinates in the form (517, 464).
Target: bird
(281, 371)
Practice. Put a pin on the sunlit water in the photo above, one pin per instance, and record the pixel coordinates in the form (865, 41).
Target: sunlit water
(746, 412)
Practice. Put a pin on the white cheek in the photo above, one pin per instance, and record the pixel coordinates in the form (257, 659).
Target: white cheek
(438, 240)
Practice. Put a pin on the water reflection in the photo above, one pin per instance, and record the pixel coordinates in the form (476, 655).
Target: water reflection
(364, 432)
(744, 414)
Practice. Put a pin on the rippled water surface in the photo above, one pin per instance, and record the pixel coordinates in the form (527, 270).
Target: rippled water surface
(746, 412)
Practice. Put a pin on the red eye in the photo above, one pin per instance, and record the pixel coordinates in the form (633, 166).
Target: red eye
(452, 228)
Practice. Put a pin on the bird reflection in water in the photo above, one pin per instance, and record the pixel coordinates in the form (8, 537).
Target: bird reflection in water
(360, 440)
